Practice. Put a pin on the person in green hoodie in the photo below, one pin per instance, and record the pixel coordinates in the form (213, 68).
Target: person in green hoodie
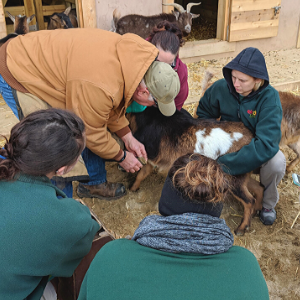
(244, 95)
(43, 233)
(185, 253)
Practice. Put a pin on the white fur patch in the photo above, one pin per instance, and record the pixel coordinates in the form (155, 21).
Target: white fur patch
(217, 143)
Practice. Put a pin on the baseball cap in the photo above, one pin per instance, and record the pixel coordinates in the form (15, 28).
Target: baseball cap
(164, 85)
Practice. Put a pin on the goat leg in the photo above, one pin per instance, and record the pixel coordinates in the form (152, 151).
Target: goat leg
(257, 190)
(142, 174)
(248, 201)
(296, 148)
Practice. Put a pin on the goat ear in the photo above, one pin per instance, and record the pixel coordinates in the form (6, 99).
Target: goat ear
(30, 19)
(67, 11)
(195, 16)
(10, 16)
(176, 14)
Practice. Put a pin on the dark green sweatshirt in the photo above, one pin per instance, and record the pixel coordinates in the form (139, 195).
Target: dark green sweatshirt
(40, 236)
(125, 270)
(261, 113)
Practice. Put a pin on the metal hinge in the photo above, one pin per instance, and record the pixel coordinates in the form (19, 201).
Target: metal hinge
(276, 9)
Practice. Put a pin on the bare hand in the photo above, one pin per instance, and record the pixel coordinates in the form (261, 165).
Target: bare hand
(131, 163)
(134, 146)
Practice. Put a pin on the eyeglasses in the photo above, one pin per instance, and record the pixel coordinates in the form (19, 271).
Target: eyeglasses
(156, 104)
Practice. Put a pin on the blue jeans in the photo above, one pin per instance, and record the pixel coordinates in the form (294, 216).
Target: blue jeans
(6, 92)
(95, 165)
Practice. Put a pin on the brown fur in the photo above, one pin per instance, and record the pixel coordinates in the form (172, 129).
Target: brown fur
(290, 124)
(202, 179)
(143, 25)
(167, 154)
(21, 23)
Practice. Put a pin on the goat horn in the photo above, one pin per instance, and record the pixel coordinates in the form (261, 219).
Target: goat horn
(189, 6)
(177, 6)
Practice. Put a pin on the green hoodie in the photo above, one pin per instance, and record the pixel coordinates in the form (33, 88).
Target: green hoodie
(123, 269)
(40, 235)
(260, 111)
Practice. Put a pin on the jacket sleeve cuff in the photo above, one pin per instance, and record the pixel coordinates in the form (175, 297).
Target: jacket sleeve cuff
(119, 155)
(120, 133)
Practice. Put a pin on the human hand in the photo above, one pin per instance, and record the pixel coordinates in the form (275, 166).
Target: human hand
(134, 146)
(130, 163)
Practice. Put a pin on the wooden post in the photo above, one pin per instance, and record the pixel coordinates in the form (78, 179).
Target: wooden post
(79, 13)
(298, 41)
(39, 14)
(167, 9)
(3, 32)
(223, 17)
(89, 13)
(30, 10)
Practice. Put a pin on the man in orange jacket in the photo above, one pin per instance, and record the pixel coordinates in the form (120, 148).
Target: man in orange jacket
(97, 74)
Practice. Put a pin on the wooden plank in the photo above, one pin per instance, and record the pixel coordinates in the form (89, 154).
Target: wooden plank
(263, 25)
(79, 13)
(167, 9)
(223, 17)
(48, 10)
(201, 48)
(30, 10)
(251, 21)
(89, 14)
(258, 33)
(249, 5)
(14, 10)
(254, 16)
(39, 14)
(3, 31)
(298, 41)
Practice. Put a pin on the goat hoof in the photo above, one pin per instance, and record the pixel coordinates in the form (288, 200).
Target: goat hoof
(239, 232)
(133, 189)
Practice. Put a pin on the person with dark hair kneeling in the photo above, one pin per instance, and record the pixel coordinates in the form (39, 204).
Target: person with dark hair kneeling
(41, 235)
(187, 253)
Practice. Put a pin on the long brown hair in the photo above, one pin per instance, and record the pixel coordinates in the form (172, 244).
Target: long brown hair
(41, 143)
(168, 36)
(199, 178)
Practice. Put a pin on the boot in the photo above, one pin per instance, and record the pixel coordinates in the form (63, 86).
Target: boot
(267, 216)
(106, 190)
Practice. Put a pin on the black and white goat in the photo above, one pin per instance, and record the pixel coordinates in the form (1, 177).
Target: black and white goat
(168, 138)
(143, 25)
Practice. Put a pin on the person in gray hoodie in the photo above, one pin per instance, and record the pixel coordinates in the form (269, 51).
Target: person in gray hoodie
(244, 95)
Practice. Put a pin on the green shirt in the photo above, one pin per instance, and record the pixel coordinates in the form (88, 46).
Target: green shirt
(40, 235)
(125, 270)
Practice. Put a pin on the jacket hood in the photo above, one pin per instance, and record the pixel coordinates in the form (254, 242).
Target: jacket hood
(135, 56)
(251, 62)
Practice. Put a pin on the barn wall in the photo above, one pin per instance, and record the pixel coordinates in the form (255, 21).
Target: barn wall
(105, 9)
(287, 33)
(286, 39)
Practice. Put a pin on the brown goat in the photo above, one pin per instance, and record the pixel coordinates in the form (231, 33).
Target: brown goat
(64, 20)
(202, 179)
(168, 138)
(21, 23)
(143, 25)
(290, 124)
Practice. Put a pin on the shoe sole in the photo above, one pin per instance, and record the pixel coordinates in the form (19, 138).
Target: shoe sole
(88, 195)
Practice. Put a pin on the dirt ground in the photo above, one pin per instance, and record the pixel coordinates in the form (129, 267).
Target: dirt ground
(276, 247)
